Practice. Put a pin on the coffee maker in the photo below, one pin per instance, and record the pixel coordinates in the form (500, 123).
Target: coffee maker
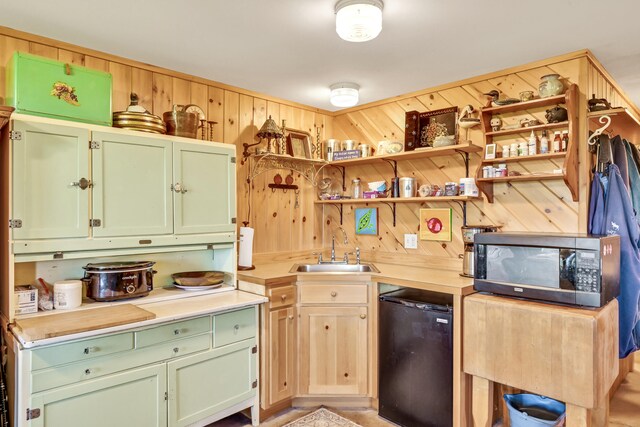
(468, 231)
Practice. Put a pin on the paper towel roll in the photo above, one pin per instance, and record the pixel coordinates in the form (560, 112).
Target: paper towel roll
(245, 253)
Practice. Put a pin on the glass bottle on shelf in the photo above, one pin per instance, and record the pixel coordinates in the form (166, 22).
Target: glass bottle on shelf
(565, 140)
(544, 143)
(557, 142)
(356, 189)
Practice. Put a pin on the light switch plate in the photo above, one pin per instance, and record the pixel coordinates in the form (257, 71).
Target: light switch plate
(411, 241)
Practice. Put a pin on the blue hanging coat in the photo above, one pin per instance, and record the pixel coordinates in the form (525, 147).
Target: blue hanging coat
(616, 217)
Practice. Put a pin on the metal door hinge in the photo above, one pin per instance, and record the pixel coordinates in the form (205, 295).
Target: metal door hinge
(254, 384)
(95, 223)
(166, 396)
(254, 350)
(15, 135)
(94, 145)
(233, 160)
(15, 223)
(233, 220)
(33, 413)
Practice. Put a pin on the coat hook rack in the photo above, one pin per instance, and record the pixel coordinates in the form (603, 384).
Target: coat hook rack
(278, 185)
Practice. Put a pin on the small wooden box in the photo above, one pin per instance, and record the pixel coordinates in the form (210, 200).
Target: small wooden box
(44, 87)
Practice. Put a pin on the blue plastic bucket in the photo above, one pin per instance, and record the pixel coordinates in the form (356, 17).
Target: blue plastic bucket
(531, 410)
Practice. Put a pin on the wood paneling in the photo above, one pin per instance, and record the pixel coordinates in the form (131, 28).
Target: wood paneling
(519, 206)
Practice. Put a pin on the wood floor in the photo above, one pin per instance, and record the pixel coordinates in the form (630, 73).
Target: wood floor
(624, 410)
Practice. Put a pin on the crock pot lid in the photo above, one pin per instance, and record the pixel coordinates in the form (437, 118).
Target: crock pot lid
(107, 266)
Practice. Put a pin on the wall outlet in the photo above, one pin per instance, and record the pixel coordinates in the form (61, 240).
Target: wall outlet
(411, 241)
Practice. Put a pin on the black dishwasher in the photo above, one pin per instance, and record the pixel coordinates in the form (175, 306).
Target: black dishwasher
(415, 361)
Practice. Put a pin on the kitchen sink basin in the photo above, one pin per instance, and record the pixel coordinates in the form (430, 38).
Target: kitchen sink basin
(334, 268)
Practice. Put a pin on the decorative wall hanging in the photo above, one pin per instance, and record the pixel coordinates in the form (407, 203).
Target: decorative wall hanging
(435, 224)
(421, 129)
(367, 221)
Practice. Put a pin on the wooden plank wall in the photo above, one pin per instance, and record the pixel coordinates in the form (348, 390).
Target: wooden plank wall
(521, 206)
(279, 224)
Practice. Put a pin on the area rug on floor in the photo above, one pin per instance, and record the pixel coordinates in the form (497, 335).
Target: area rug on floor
(322, 418)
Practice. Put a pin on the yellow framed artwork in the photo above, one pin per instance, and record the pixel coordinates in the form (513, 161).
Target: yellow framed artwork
(435, 224)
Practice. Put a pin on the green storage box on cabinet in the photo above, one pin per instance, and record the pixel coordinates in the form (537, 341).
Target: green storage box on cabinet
(48, 88)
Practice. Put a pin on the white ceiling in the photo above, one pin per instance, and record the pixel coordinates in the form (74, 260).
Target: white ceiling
(289, 48)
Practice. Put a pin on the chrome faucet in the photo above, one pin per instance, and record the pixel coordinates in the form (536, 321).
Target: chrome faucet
(333, 248)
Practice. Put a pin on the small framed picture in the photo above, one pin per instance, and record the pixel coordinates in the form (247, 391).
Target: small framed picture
(435, 224)
(298, 144)
(367, 221)
(490, 151)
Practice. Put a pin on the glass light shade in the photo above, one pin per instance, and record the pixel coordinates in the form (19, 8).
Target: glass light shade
(358, 20)
(344, 94)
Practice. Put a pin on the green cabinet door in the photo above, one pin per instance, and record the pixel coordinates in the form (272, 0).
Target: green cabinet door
(132, 398)
(206, 383)
(131, 185)
(204, 179)
(49, 162)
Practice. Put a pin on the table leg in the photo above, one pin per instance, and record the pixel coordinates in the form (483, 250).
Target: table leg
(482, 402)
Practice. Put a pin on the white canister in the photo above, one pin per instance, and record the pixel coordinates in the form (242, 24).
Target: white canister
(67, 294)
(469, 186)
(408, 187)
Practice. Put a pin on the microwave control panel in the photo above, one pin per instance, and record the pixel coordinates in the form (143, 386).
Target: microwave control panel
(587, 276)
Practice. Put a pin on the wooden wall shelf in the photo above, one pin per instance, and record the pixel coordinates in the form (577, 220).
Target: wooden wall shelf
(528, 129)
(570, 162)
(532, 177)
(525, 158)
(398, 200)
(413, 155)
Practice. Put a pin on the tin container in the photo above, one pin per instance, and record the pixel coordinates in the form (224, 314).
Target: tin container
(451, 189)
(395, 187)
(43, 87)
(365, 150)
(408, 187)
(349, 144)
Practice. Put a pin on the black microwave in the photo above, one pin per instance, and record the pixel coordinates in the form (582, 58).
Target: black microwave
(579, 269)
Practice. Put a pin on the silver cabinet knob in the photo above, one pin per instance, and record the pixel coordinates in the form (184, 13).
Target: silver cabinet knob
(176, 332)
(291, 317)
(363, 316)
(176, 349)
(334, 294)
(87, 371)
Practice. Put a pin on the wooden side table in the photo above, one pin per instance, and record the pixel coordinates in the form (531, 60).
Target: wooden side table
(568, 354)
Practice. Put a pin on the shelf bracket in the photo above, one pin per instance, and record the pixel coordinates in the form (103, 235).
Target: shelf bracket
(392, 206)
(465, 159)
(394, 165)
(308, 169)
(463, 205)
(339, 207)
(342, 170)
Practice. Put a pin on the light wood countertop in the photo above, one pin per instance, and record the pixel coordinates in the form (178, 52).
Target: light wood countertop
(165, 311)
(431, 279)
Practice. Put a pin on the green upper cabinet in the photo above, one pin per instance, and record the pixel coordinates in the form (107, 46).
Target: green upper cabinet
(131, 185)
(204, 188)
(50, 193)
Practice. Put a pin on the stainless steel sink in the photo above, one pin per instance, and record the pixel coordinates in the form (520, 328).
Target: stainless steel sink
(334, 268)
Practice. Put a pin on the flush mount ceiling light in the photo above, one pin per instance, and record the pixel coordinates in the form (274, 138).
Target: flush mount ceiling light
(344, 94)
(358, 20)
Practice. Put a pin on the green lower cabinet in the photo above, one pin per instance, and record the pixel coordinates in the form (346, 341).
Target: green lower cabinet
(135, 398)
(206, 383)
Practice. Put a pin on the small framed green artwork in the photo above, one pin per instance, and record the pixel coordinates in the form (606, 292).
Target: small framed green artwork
(367, 221)
(435, 224)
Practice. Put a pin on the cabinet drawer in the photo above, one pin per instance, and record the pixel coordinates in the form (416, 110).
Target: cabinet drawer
(173, 331)
(80, 350)
(329, 293)
(46, 379)
(234, 326)
(280, 297)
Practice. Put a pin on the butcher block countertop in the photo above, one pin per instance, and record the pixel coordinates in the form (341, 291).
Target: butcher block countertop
(431, 279)
(102, 318)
